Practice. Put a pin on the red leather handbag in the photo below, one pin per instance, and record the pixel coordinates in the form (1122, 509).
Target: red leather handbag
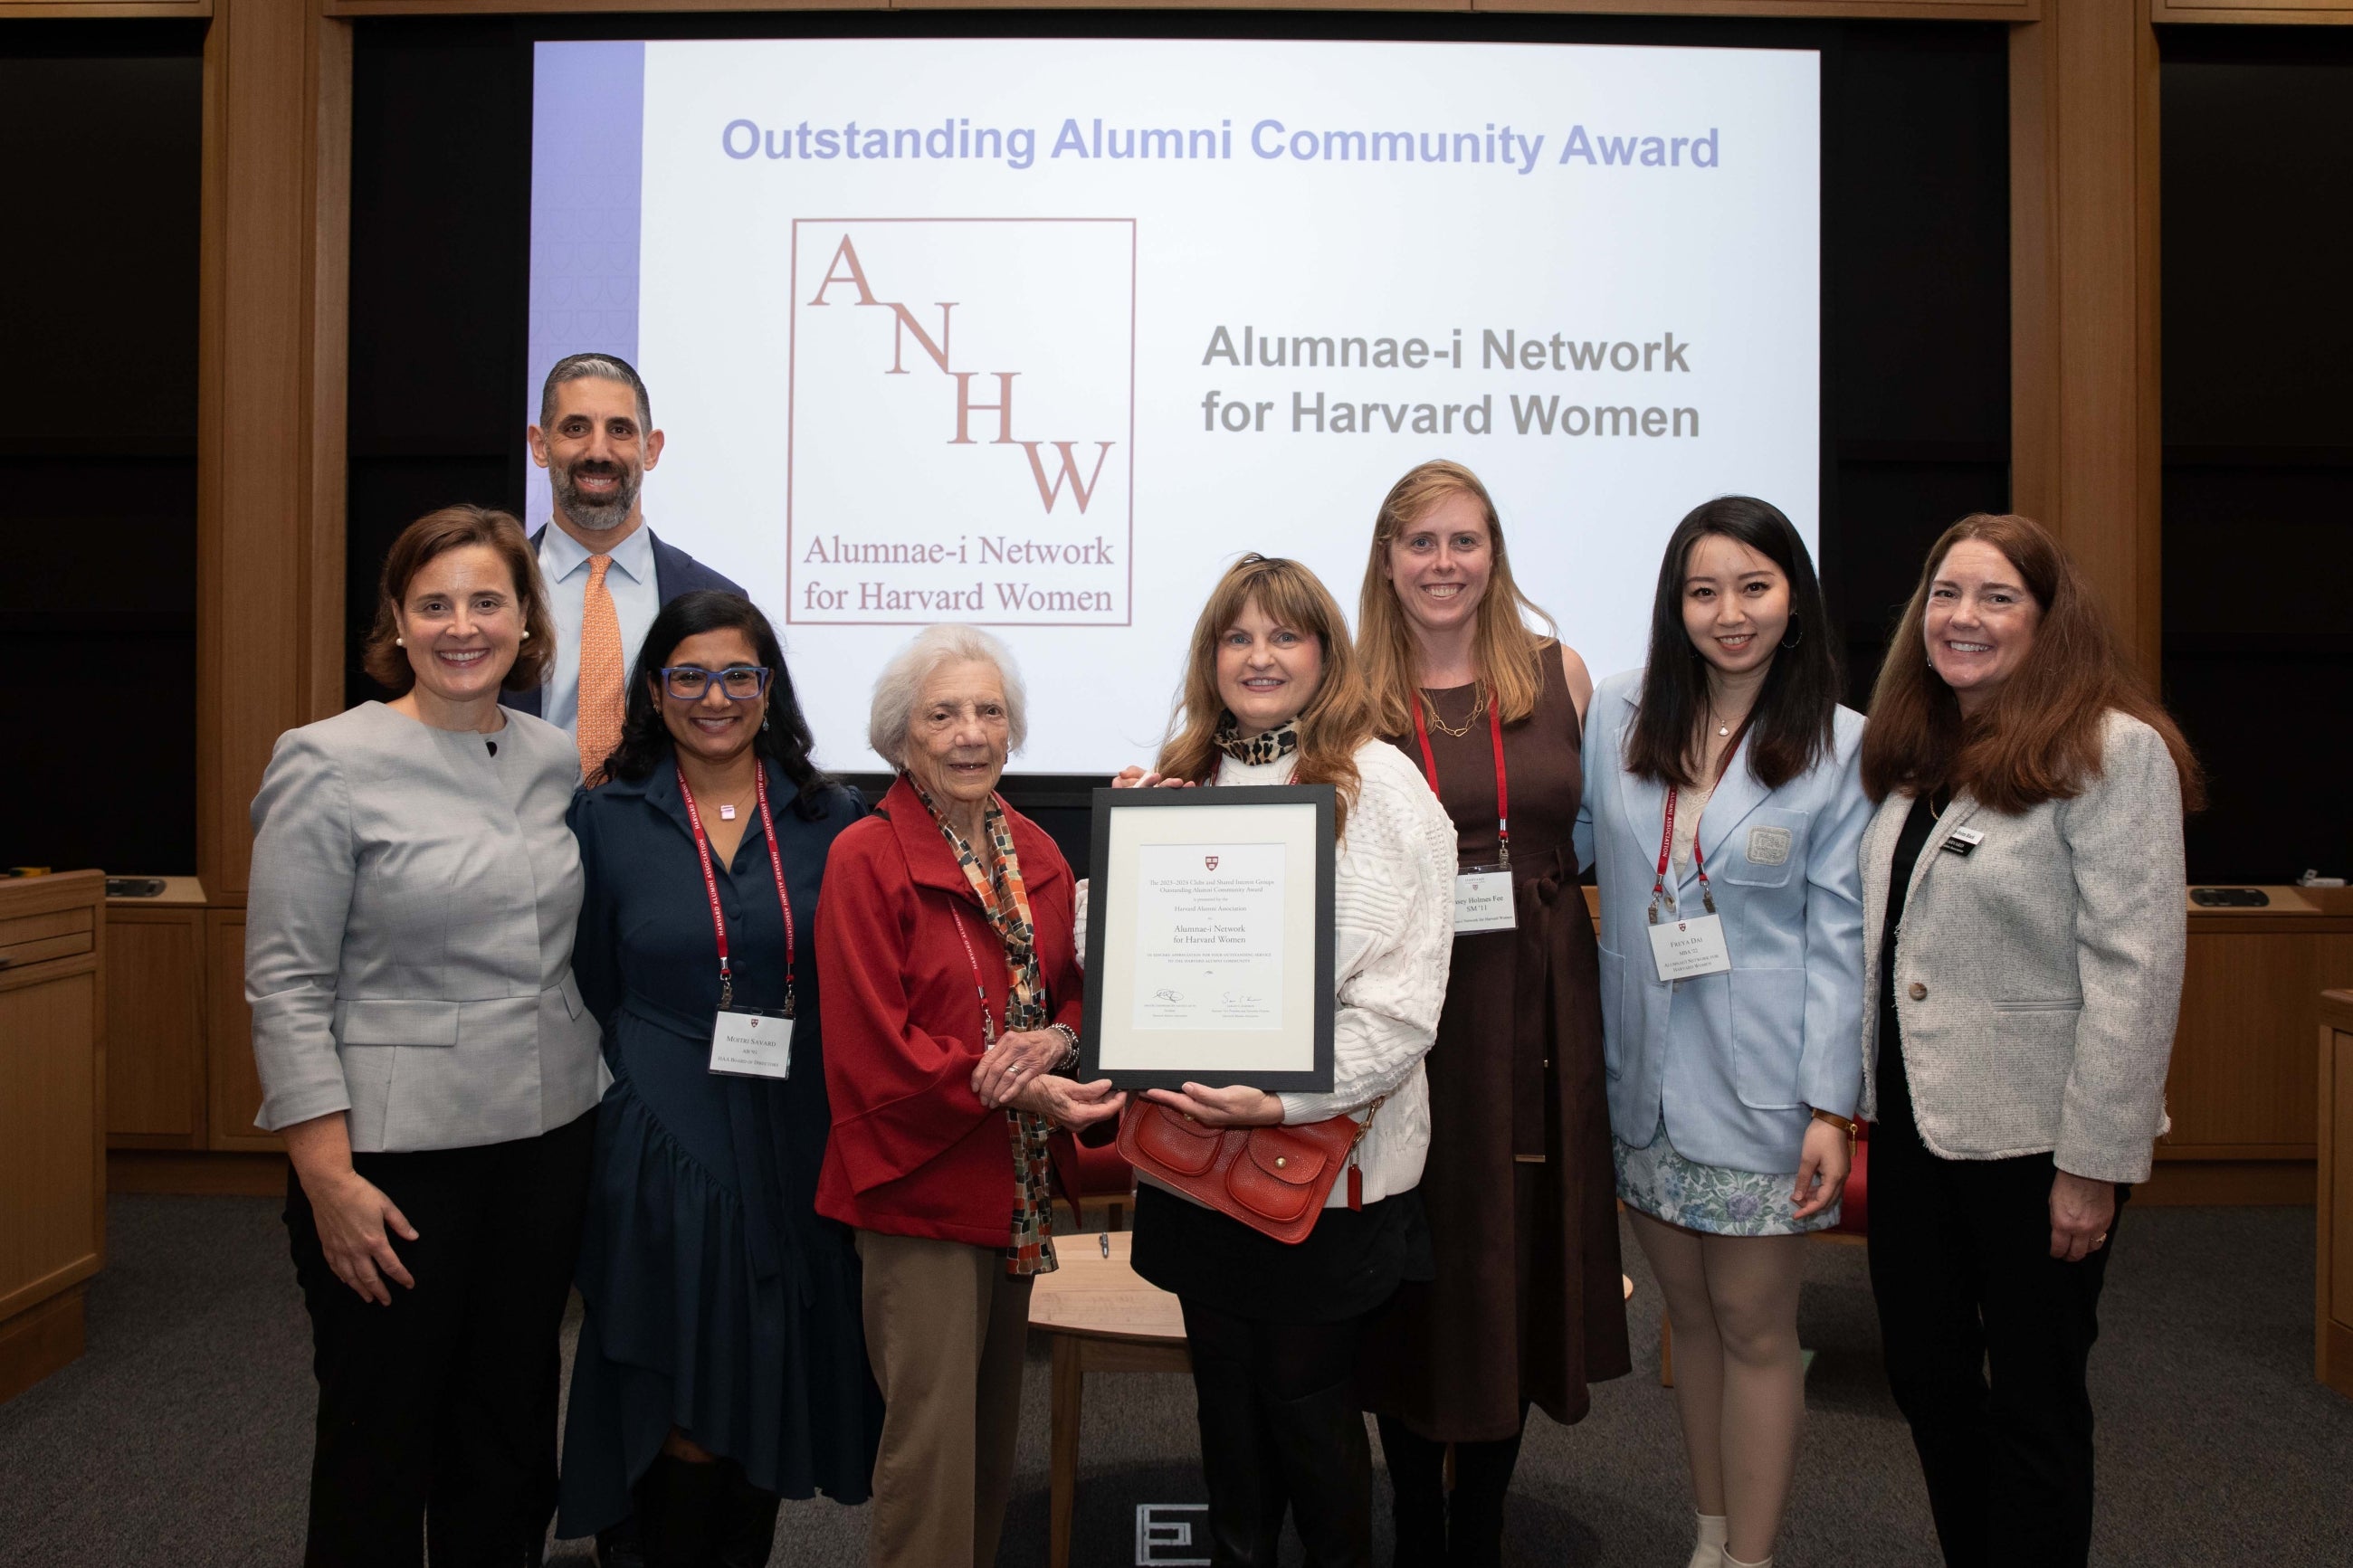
(1272, 1179)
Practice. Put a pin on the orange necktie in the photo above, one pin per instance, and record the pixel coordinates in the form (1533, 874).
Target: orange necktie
(598, 724)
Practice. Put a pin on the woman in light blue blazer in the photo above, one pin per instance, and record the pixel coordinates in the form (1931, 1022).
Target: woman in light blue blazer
(1723, 810)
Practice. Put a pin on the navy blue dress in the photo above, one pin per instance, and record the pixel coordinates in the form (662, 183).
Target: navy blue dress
(718, 1300)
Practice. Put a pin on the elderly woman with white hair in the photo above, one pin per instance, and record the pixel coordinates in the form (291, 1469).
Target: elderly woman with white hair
(951, 1005)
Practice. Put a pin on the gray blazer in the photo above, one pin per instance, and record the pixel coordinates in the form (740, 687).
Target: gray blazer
(408, 932)
(2039, 977)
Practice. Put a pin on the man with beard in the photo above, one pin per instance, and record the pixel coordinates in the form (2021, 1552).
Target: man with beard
(607, 574)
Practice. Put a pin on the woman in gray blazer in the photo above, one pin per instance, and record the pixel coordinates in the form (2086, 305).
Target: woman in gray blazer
(2022, 894)
(425, 1052)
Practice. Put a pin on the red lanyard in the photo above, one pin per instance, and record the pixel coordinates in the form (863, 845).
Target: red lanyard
(988, 1025)
(1503, 790)
(1667, 835)
(711, 886)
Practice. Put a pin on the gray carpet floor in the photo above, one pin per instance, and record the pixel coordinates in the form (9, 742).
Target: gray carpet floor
(183, 1437)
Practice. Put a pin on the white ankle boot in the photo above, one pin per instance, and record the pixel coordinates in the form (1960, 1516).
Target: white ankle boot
(1732, 1561)
(1709, 1553)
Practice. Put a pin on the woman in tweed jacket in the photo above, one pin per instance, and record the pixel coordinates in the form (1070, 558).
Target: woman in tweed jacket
(2023, 895)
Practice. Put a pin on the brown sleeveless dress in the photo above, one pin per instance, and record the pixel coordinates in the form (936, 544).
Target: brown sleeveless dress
(1528, 1305)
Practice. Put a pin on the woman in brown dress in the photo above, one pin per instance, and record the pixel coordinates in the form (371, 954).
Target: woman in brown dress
(1528, 1305)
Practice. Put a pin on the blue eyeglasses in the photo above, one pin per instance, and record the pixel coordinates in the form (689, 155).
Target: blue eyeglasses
(738, 682)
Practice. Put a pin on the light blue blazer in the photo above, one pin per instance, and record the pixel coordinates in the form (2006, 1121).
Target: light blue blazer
(1734, 1063)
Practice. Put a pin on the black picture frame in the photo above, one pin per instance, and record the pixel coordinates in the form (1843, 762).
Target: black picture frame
(1104, 887)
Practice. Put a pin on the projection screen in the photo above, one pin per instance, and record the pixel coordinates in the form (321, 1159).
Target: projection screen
(1041, 334)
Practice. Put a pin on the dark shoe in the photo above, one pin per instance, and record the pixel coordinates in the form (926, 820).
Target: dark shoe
(1240, 1467)
(678, 1517)
(747, 1529)
(1327, 1464)
(617, 1546)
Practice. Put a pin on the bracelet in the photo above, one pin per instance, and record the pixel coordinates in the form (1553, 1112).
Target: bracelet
(1071, 1038)
(1843, 1125)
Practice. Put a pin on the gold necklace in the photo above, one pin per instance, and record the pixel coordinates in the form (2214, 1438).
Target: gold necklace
(1478, 706)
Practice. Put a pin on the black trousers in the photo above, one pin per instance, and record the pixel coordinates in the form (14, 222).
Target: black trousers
(442, 1405)
(1962, 1271)
(1280, 1427)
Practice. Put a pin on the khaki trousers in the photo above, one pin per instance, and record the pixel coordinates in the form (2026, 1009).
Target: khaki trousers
(945, 1329)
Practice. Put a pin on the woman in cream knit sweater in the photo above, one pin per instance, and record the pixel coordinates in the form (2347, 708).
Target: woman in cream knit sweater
(1273, 697)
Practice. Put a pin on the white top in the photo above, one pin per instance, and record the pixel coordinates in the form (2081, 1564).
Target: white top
(1690, 804)
(1393, 908)
(637, 600)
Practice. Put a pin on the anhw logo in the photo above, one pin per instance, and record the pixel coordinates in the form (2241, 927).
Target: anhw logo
(962, 428)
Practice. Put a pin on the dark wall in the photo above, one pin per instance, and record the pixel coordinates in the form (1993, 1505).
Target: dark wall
(1915, 319)
(440, 269)
(97, 436)
(2257, 207)
(1916, 286)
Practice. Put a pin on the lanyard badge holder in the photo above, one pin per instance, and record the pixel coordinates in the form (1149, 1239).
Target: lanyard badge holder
(746, 1042)
(1684, 949)
(1482, 894)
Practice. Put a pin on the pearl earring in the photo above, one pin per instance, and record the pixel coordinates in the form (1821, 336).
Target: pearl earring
(400, 642)
(526, 633)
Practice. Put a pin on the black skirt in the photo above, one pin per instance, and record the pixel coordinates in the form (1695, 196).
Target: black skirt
(1349, 1264)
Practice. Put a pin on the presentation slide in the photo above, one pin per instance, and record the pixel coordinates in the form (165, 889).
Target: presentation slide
(1040, 334)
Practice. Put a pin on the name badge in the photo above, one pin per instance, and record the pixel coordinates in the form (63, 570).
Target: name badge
(1685, 949)
(1962, 841)
(1483, 901)
(754, 1044)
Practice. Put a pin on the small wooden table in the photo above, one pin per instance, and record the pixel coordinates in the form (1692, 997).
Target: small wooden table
(1103, 1317)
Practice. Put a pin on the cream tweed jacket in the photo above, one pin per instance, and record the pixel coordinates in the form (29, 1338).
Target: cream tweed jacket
(2039, 977)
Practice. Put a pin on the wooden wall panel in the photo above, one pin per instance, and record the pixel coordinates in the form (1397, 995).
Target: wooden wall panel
(1946, 10)
(234, 1083)
(155, 1027)
(2086, 453)
(2237, 13)
(2242, 1085)
(2332, 1206)
(270, 457)
(103, 10)
(48, 1114)
(52, 1095)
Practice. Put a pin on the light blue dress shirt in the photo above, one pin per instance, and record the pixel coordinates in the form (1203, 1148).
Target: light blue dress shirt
(637, 599)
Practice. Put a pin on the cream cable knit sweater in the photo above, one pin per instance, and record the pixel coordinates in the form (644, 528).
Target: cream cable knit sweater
(1393, 904)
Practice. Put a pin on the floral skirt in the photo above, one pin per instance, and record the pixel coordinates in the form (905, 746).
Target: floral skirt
(1712, 1199)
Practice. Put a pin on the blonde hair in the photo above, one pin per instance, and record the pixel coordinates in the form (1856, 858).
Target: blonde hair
(1336, 721)
(1510, 654)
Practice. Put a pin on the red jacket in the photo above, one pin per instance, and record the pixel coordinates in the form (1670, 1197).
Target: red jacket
(913, 1152)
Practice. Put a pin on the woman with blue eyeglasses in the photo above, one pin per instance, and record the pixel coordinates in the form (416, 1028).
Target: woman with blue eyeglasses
(721, 1362)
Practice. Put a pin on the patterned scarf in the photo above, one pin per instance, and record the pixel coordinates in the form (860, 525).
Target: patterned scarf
(1278, 742)
(997, 884)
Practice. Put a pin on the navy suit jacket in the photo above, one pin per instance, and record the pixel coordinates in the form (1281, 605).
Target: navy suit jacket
(675, 573)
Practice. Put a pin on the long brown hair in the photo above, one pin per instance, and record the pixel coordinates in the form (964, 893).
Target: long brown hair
(1338, 719)
(436, 534)
(1509, 652)
(2039, 737)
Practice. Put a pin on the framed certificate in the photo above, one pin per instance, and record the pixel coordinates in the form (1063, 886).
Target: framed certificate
(1209, 938)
